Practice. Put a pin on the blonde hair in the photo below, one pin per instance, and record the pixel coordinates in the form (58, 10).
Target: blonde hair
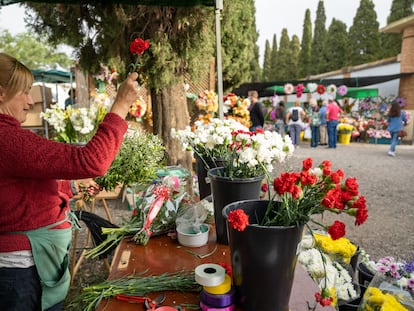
(297, 103)
(14, 76)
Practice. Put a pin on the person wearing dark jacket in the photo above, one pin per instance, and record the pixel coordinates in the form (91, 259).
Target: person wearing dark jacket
(256, 111)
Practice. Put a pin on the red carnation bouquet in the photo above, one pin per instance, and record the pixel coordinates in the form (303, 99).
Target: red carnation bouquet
(311, 191)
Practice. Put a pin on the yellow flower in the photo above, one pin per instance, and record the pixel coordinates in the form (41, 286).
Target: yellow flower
(341, 248)
(375, 299)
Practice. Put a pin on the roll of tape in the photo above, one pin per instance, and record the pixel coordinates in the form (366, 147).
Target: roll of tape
(205, 307)
(209, 274)
(220, 289)
(219, 301)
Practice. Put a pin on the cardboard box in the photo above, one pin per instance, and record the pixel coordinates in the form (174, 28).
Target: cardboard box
(37, 94)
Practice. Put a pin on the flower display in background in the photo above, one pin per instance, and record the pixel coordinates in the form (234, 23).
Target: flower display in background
(208, 139)
(321, 89)
(312, 87)
(288, 88)
(374, 133)
(368, 107)
(331, 89)
(207, 101)
(342, 90)
(106, 75)
(401, 101)
(137, 47)
(344, 128)
(300, 88)
(236, 108)
(74, 125)
(138, 109)
(298, 196)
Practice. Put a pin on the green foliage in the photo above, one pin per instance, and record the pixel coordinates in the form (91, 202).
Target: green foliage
(305, 62)
(336, 46)
(294, 59)
(34, 52)
(318, 43)
(267, 62)
(391, 42)
(285, 54)
(364, 35)
(140, 156)
(273, 60)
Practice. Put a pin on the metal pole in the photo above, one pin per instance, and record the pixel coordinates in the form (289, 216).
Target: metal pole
(219, 7)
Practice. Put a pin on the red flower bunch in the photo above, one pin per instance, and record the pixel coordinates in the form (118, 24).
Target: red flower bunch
(300, 88)
(138, 47)
(321, 89)
(314, 191)
(238, 219)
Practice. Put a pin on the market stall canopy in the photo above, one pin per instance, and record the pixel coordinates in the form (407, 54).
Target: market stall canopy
(359, 93)
(270, 88)
(53, 76)
(182, 3)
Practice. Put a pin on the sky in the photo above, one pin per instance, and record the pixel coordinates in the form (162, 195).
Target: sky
(271, 16)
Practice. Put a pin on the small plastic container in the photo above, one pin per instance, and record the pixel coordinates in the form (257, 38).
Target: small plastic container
(193, 238)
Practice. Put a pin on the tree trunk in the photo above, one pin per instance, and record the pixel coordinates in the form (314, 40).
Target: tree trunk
(170, 111)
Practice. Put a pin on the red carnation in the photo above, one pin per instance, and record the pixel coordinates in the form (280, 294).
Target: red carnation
(323, 301)
(238, 219)
(352, 185)
(307, 164)
(337, 230)
(361, 216)
(139, 46)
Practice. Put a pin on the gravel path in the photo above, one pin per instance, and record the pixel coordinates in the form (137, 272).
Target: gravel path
(386, 183)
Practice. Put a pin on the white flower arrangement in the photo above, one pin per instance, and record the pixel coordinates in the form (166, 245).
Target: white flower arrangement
(331, 89)
(74, 125)
(208, 140)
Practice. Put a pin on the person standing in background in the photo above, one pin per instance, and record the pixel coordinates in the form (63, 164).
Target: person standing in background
(314, 122)
(333, 111)
(71, 100)
(396, 120)
(294, 118)
(323, 133)
(256, 111)
(281, 118)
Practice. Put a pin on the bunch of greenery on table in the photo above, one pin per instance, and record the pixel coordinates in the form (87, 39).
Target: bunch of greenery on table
(140, 156)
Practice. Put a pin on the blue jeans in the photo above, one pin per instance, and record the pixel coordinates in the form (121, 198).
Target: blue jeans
(314, 135)
(332, 133)
(294, 132)
(20, 290)
(394, 141)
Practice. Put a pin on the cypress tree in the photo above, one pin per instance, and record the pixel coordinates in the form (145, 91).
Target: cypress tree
(304, 68)
(336, 46)
(267, 62)
(364, 36)
(391, 42)
(284, 56)
(317, 60)
(294, 59)
(273, 60)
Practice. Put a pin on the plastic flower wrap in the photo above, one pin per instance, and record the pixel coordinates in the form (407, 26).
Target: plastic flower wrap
(138, 109)
(207, 101)
(74, 125)
(236, 108)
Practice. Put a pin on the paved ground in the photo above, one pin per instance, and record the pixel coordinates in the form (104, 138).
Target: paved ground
(387, 184)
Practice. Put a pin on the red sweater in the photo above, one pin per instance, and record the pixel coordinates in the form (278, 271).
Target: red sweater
(30, 165)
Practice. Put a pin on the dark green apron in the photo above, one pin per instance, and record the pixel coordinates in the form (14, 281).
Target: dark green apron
(50, 249)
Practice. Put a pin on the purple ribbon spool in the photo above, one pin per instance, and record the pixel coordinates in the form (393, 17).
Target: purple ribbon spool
(218, 301)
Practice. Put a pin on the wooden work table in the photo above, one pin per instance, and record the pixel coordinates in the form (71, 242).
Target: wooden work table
(163, 254)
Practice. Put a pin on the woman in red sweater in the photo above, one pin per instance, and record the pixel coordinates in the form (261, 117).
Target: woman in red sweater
(35, 227)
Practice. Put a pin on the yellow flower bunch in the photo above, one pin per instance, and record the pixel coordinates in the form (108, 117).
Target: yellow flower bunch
(207, 101)
(344, 128)
(340, 249)
(375, 299)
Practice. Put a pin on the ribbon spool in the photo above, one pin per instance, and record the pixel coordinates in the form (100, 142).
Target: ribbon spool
(220, 289)
(207, 308)
(218, 301)
(210, 275)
